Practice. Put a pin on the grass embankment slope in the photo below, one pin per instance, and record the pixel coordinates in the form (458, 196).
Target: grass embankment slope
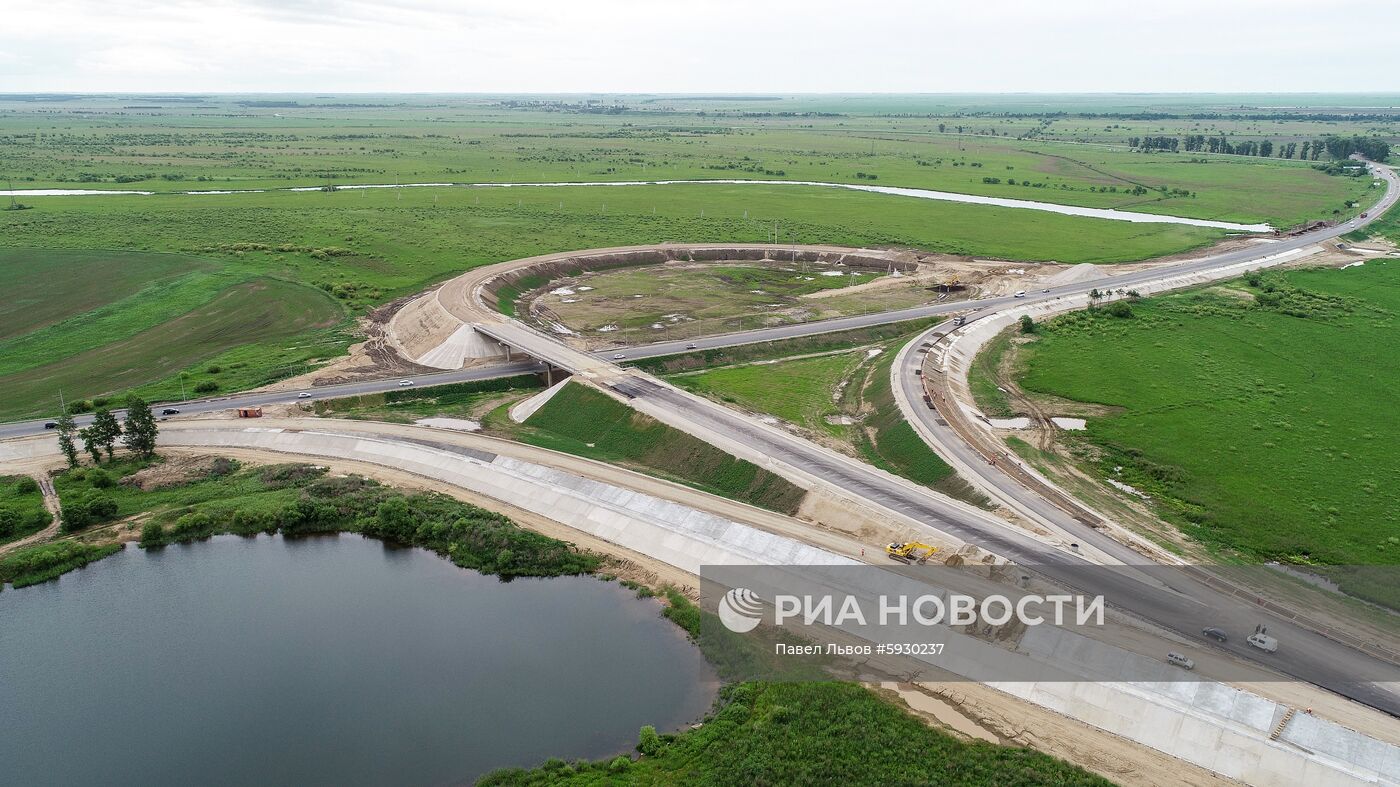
(581, 421)
(1260, 418)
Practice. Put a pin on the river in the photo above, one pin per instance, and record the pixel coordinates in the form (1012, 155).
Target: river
(326, 660)
(945, 196)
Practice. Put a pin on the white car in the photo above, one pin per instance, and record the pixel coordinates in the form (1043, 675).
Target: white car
(1021, 294)
(1180, 661)
(304, 395)
(405, 382)
(619, 356)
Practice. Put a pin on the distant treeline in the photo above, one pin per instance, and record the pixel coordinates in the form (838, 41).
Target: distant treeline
(1334, 146)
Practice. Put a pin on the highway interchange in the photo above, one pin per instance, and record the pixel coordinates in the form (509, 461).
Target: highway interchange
(1309, 656)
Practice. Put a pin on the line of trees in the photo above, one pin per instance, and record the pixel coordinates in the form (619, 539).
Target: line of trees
(1311, 150)
(138, 433)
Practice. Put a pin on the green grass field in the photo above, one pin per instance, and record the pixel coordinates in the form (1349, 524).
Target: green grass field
(1259, 418)
(585, 422)
(953, 143)
(44, 287)
(802, 391)
(125, 345)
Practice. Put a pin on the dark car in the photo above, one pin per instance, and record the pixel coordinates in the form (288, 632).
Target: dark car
(170, 411)
(1215, 634)
(51, 425)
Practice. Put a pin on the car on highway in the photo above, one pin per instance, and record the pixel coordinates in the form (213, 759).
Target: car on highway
(619, 356)
(405, 382)
(1020, 294)
(690, 346)
(1178, 660)
(1215, 634)
(51, 425)
(307, 395)
(1047, 289)
(170, 411)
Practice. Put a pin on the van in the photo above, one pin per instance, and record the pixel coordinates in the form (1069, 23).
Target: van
(1020, 293)
(1178, 660)
(1263, 642)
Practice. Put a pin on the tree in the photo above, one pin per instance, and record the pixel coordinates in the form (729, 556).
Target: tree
(141, 430)
(91, 444)
(66, 431)
(1027, 324)
(106, 430)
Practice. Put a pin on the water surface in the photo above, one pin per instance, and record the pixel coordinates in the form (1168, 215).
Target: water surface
(331, 660)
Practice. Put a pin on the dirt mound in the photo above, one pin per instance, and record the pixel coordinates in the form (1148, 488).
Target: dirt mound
(1075, 274)
(178, 471)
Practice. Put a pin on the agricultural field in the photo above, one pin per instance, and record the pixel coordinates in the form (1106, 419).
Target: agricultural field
(1256, 415)
(222, 330)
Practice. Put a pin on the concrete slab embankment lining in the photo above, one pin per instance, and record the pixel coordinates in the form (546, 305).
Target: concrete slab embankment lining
(675, 534)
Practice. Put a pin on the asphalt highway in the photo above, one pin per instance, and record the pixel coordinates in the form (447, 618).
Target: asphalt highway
(254, 399)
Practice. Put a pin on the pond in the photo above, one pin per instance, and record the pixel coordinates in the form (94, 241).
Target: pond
(328, 660)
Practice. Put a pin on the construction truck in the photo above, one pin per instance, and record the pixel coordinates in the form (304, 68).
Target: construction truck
(910, 552)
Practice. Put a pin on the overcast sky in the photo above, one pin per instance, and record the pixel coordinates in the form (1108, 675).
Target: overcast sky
(699, 45)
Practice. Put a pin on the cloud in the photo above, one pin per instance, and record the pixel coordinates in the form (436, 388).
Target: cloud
(668, 46)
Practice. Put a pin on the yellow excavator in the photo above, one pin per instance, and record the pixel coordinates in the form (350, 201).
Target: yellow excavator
(910, 552)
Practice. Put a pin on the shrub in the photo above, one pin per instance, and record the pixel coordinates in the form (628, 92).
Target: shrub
(100, 479)
(9, 522)
(215, 369)
(649, 743)
(192, 524)
(27, 486)
(101, 508)
(153, 534)
(206, 386)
